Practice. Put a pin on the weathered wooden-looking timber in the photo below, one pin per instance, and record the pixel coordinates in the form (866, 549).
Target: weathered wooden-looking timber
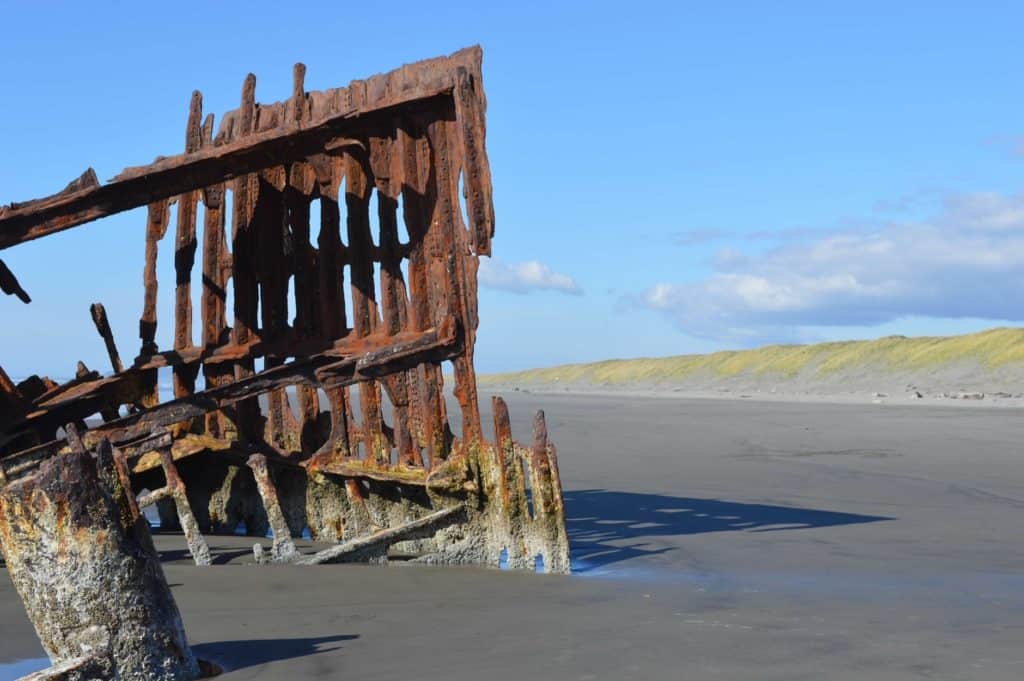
(333, 421)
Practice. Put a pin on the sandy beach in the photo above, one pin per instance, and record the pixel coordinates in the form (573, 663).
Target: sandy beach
(712, 539)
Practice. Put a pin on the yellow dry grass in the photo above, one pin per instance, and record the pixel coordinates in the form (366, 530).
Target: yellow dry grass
(992, 348)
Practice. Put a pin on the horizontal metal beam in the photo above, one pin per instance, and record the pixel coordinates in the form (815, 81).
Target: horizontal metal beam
(85, 200)
(427, 346)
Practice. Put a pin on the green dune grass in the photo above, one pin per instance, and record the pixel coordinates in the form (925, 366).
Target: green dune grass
(990, 349)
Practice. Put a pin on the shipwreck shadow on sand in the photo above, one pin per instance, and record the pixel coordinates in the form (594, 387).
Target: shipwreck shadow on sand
(609, 527)
(219, 555)
(235, 655)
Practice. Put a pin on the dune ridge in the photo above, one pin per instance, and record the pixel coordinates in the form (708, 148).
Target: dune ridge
(987, 363)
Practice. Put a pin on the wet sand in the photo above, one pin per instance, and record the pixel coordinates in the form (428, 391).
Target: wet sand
(713, 539)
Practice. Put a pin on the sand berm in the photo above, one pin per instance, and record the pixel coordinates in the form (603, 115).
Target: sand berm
(979, 368)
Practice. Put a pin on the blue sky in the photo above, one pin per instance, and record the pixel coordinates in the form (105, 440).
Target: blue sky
(669, 178)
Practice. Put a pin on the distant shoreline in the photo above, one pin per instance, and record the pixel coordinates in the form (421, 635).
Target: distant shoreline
(979, 369)
(987, 401)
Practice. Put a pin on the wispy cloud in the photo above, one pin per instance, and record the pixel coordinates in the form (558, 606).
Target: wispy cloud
(524, 277)
(1011, 145)
(915, 200)
(703, 236)
(965, 261)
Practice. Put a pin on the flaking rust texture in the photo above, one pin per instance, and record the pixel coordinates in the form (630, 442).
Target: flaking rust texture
(345, 228)
(82, 560)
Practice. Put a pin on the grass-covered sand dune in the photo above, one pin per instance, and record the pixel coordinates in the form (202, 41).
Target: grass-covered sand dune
(989, 362)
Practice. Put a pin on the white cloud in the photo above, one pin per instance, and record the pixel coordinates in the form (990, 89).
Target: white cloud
(967, 261)
(524, 277)
(985, 210)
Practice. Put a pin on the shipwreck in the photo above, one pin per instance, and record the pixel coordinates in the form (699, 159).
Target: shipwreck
(298, 407)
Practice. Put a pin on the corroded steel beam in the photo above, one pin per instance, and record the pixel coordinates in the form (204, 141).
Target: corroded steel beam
(374, 547)
(283, 547)
(342, 364)
(85, 199)
(9, 284)
(99, 318)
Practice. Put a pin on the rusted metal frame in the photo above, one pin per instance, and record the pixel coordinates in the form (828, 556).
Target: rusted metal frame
(125, 388)
(283, 547)
(437, 293)
(156, 226)
(466, 139)
(448, 477)
(7, 386)
(374, 547)
(512, 485)
(79, 379)
(214, 297)
(91, 384)
(365, 317)
(429, 414)
(73, 406)
(225, 355)
(168, 178)
(383, 355)
(154, 496)
(99, 319)
(146, 456)
(332, 254)
(216, 270)
(539, 530)
(461, 299)
(85, 199)
(229, 353)
(390, 354)
(193, 537)
(32, 387)
(548, 505)
(387, 167)
(87, 180)
(13, 404)
(273, 267)
(416, 154)
(9, 284)
(306, 323)
(355, 468)
(175, 175)
(417, 313)
(298, 193)
(117, 389)
(14, 466)
(540, 468)
(109, 411)
(246, 287)
(331, 259)
(469, 116)
(184, 376)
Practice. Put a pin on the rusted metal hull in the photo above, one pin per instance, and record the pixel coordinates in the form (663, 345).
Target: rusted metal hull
(347, 225)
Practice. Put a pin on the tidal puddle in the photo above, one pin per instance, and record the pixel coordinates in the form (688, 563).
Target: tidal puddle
(10, 671)
(967, 589)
